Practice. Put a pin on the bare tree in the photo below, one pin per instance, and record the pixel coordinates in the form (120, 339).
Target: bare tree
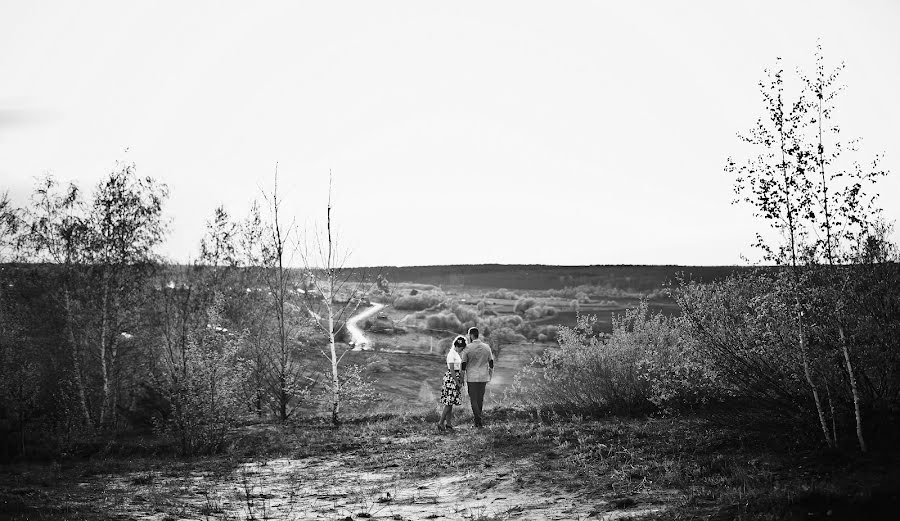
(335, 296)
(286, 374)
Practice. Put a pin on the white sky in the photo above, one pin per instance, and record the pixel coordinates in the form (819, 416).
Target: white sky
(458, 132)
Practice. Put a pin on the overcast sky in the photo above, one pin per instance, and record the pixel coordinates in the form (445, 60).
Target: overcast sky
(458, 132)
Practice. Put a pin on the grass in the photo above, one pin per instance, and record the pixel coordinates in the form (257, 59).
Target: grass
(685, 466)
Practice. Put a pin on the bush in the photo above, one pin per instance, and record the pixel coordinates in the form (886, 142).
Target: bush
(747, 327)
(539, 312)
(203, 388)
(524, 305)
(356, 390)
(444, 321)
(513, 321)
(586, 375)
(549, 333)
(418, 302)
(465, 313)
(505, 335)
(502, 294)
(647, 362)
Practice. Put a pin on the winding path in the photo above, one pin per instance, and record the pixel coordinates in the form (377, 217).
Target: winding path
(360, 342)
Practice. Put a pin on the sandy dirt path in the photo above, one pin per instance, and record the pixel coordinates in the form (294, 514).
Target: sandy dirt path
(360, 342)
(336, 489)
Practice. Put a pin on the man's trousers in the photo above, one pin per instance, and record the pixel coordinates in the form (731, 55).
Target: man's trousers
(476, 398)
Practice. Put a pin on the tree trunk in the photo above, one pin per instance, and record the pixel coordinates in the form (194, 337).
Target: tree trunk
(282, 398)
(76, 361)
(104, 372)
(335, 382)
(853, 389)
(808, 373)
(834, 435)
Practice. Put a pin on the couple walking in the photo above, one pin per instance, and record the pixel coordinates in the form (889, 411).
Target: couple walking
(473, 362)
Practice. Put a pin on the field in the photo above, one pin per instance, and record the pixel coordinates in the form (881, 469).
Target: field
(388, 462)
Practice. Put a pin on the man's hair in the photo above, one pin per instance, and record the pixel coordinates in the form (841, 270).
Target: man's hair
(459, 341)
(473, 332)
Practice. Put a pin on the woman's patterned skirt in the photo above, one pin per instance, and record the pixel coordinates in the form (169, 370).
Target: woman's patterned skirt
(450, 390)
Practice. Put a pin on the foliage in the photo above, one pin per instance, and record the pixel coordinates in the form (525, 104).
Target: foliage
(648, 361)
(218, 247)
(199, 376)
(356, 390)
(419, 302)
(523, 305)
(444, 322)
(503, 294)
(744, 327)
(465, 313)
(539, 312)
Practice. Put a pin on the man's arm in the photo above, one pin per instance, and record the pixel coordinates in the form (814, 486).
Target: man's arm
(491, 365)
(462, 366)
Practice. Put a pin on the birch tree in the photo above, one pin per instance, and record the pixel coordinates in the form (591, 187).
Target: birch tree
(775, 183)
(822, 204)
(842, 206)
(335, 296)
(104, 249)
(57, 232)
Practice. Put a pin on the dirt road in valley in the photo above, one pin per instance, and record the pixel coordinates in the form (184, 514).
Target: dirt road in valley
(360, 342)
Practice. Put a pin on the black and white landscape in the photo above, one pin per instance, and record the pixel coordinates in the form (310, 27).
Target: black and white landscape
(248, 252)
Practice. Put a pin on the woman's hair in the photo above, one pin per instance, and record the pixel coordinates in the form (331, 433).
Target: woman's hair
(459, 341)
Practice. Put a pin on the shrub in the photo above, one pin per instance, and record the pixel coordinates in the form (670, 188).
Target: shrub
(524, 305)
(512, 321)
(746, 327)
(444, 345)
(586, 375)
(503, 294)
(444, 321)
(418, 302)
(647, 361)
(539, 312)
(548, 332)
(203, 387)
(505, 335)
(465, 313)
(356, 390)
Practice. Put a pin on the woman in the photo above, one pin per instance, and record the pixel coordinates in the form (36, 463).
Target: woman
(452, 387)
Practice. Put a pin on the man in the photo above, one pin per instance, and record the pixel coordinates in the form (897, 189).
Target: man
(477, 371)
